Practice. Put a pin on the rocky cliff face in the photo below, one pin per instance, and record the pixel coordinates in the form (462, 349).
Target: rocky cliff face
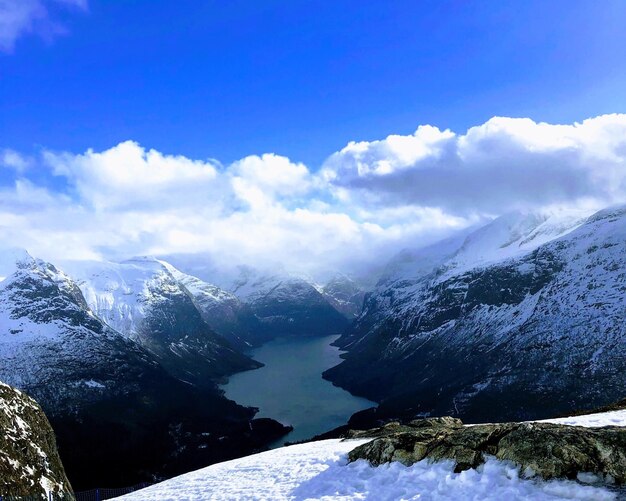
(270, 302)
(145, 300)
(222, 311)
(29, 460)
(523, 319)
(345, 295)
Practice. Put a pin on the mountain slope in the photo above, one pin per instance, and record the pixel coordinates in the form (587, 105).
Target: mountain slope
(287, 305)
(45, 323)
(533, 328)
(222, 310)
(345, 295)
(120, 417)
(281, 303)
(142, 299)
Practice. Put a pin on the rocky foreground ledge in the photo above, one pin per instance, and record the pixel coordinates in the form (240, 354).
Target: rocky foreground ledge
(545, 449)
(29, 461)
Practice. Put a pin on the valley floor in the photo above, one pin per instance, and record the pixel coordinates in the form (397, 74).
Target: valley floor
(319, 470)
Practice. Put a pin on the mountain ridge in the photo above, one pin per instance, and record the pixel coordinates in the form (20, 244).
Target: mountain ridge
(520, 337)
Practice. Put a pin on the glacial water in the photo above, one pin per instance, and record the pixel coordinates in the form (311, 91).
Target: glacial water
(290, 388)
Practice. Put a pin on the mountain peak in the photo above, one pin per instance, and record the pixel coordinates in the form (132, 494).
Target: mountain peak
(11, 258)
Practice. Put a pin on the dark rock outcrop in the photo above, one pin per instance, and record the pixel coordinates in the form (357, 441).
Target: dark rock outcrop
(29, 460)
(544, 449)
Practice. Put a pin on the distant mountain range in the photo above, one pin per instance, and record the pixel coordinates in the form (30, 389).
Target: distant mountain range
(149, 302)
(522, 318)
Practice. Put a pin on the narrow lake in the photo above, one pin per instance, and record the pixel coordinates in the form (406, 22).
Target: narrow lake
(290, 388)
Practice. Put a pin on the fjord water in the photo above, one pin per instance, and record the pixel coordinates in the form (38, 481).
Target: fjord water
(290, 388)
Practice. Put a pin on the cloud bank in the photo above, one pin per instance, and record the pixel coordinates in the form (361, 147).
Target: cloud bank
(502, 165)
(365, 203)
(23, 17)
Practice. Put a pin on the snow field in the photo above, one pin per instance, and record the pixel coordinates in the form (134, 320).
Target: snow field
(320, 471)
(611, 418)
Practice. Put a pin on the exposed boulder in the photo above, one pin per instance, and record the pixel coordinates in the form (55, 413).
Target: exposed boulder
(29, 461)
(544, 449)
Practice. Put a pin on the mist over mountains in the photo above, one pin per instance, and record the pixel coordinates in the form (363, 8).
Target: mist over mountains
(354, 212)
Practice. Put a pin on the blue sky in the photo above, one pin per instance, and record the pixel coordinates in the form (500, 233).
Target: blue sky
(302, 78)
(306, 133)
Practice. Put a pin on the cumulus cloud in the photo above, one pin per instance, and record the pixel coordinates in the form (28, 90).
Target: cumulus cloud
(502, 165)
(260, 180)
(365, 203)
(127, 176)
(22, 17)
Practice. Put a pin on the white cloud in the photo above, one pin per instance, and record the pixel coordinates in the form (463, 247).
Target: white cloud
(378, 158)
(13, 160)
(368, 201)
(273, 173)
(261, 180)
(502, 165)
(128, 176)
(22, 17)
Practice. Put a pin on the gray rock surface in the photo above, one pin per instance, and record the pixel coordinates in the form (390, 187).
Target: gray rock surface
(544, 449)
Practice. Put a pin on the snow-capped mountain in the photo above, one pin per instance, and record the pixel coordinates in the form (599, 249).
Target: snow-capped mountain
(118, 414)
(150, 302)
(508, 236)
(222, 310)
(283, 303)
(287, 304)
(344, 294)
(521, 318)
(46, 323)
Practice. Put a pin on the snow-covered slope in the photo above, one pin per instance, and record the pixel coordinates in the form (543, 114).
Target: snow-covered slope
(144, 300)
(282, 303)
(319, 471)
(507, 326)
(222, 310)
(9, 258)
(45, 324)
(345, 295)
(595, 420)
(512, 235)
(287, 304)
